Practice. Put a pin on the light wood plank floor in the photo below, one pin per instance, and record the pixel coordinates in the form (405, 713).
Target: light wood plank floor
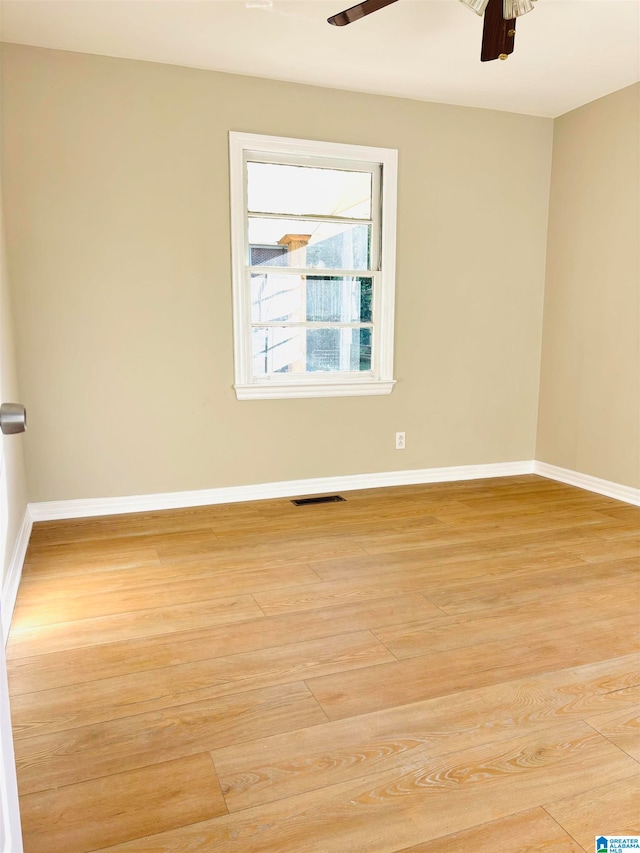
(450, 667)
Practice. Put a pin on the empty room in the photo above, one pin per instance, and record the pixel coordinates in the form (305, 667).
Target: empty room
(320, 413)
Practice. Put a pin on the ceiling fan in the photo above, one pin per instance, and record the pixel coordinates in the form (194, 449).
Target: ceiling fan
(498, 35)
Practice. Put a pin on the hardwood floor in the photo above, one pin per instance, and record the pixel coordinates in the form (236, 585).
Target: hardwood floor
(451, 667)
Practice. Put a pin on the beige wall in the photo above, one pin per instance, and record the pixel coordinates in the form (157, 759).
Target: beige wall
(13, 485)
(117, 215)
(589, 417)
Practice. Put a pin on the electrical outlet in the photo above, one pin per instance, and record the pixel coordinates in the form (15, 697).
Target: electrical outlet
(400, 441)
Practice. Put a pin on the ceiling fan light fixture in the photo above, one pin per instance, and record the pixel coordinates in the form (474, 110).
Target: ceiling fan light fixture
(514, 8)
(477, 6)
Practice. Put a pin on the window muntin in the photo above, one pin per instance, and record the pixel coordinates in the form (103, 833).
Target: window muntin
(313, 300)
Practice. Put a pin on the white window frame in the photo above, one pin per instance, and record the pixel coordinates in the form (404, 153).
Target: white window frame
(248, 146)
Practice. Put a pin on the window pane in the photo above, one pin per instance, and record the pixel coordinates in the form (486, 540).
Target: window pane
(338, 349)
(298, 190)
(277, 298)
(314, 299)
(339, 300)
(303, 350)
(304, 243)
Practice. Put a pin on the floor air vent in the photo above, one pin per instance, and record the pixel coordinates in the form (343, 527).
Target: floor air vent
(328, 499)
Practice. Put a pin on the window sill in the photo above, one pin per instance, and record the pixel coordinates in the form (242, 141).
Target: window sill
(290, 390)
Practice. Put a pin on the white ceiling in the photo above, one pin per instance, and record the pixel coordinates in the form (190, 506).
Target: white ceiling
(568, 52)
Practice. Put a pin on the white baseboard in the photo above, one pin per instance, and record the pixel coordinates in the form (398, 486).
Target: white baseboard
(60, 510)
(51, 510)
(592, 484)
(12, 580)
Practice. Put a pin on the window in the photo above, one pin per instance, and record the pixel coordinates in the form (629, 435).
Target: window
(313, 244)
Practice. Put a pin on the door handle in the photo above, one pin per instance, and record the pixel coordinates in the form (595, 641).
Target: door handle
(13, 418)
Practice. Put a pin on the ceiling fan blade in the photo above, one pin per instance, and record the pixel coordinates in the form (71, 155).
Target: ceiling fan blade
(359, 11)
(498, 35)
